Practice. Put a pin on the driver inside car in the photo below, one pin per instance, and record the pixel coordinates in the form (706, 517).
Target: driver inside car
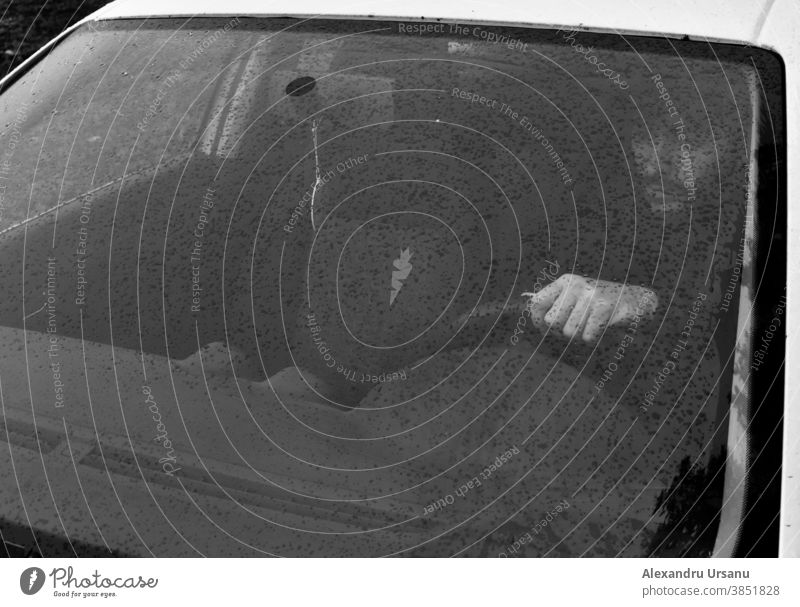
(387, 296)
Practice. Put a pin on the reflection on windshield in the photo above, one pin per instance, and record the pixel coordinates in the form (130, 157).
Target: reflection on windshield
(376, 294)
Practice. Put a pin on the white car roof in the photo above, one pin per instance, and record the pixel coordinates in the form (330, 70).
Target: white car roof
(732, 21)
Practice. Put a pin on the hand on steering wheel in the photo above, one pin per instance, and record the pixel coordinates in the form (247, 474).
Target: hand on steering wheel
(579, 306)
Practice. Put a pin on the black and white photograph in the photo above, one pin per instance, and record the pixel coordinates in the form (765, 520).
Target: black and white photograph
(491, 280)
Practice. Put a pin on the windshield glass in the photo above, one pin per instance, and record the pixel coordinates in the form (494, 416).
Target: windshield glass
(370, 288)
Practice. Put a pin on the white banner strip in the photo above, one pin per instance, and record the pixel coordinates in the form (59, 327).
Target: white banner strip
(421, 582)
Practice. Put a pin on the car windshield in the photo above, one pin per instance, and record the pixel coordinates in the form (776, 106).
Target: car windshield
(292, 286)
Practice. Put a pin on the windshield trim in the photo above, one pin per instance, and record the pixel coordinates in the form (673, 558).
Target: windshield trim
(709, 21)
